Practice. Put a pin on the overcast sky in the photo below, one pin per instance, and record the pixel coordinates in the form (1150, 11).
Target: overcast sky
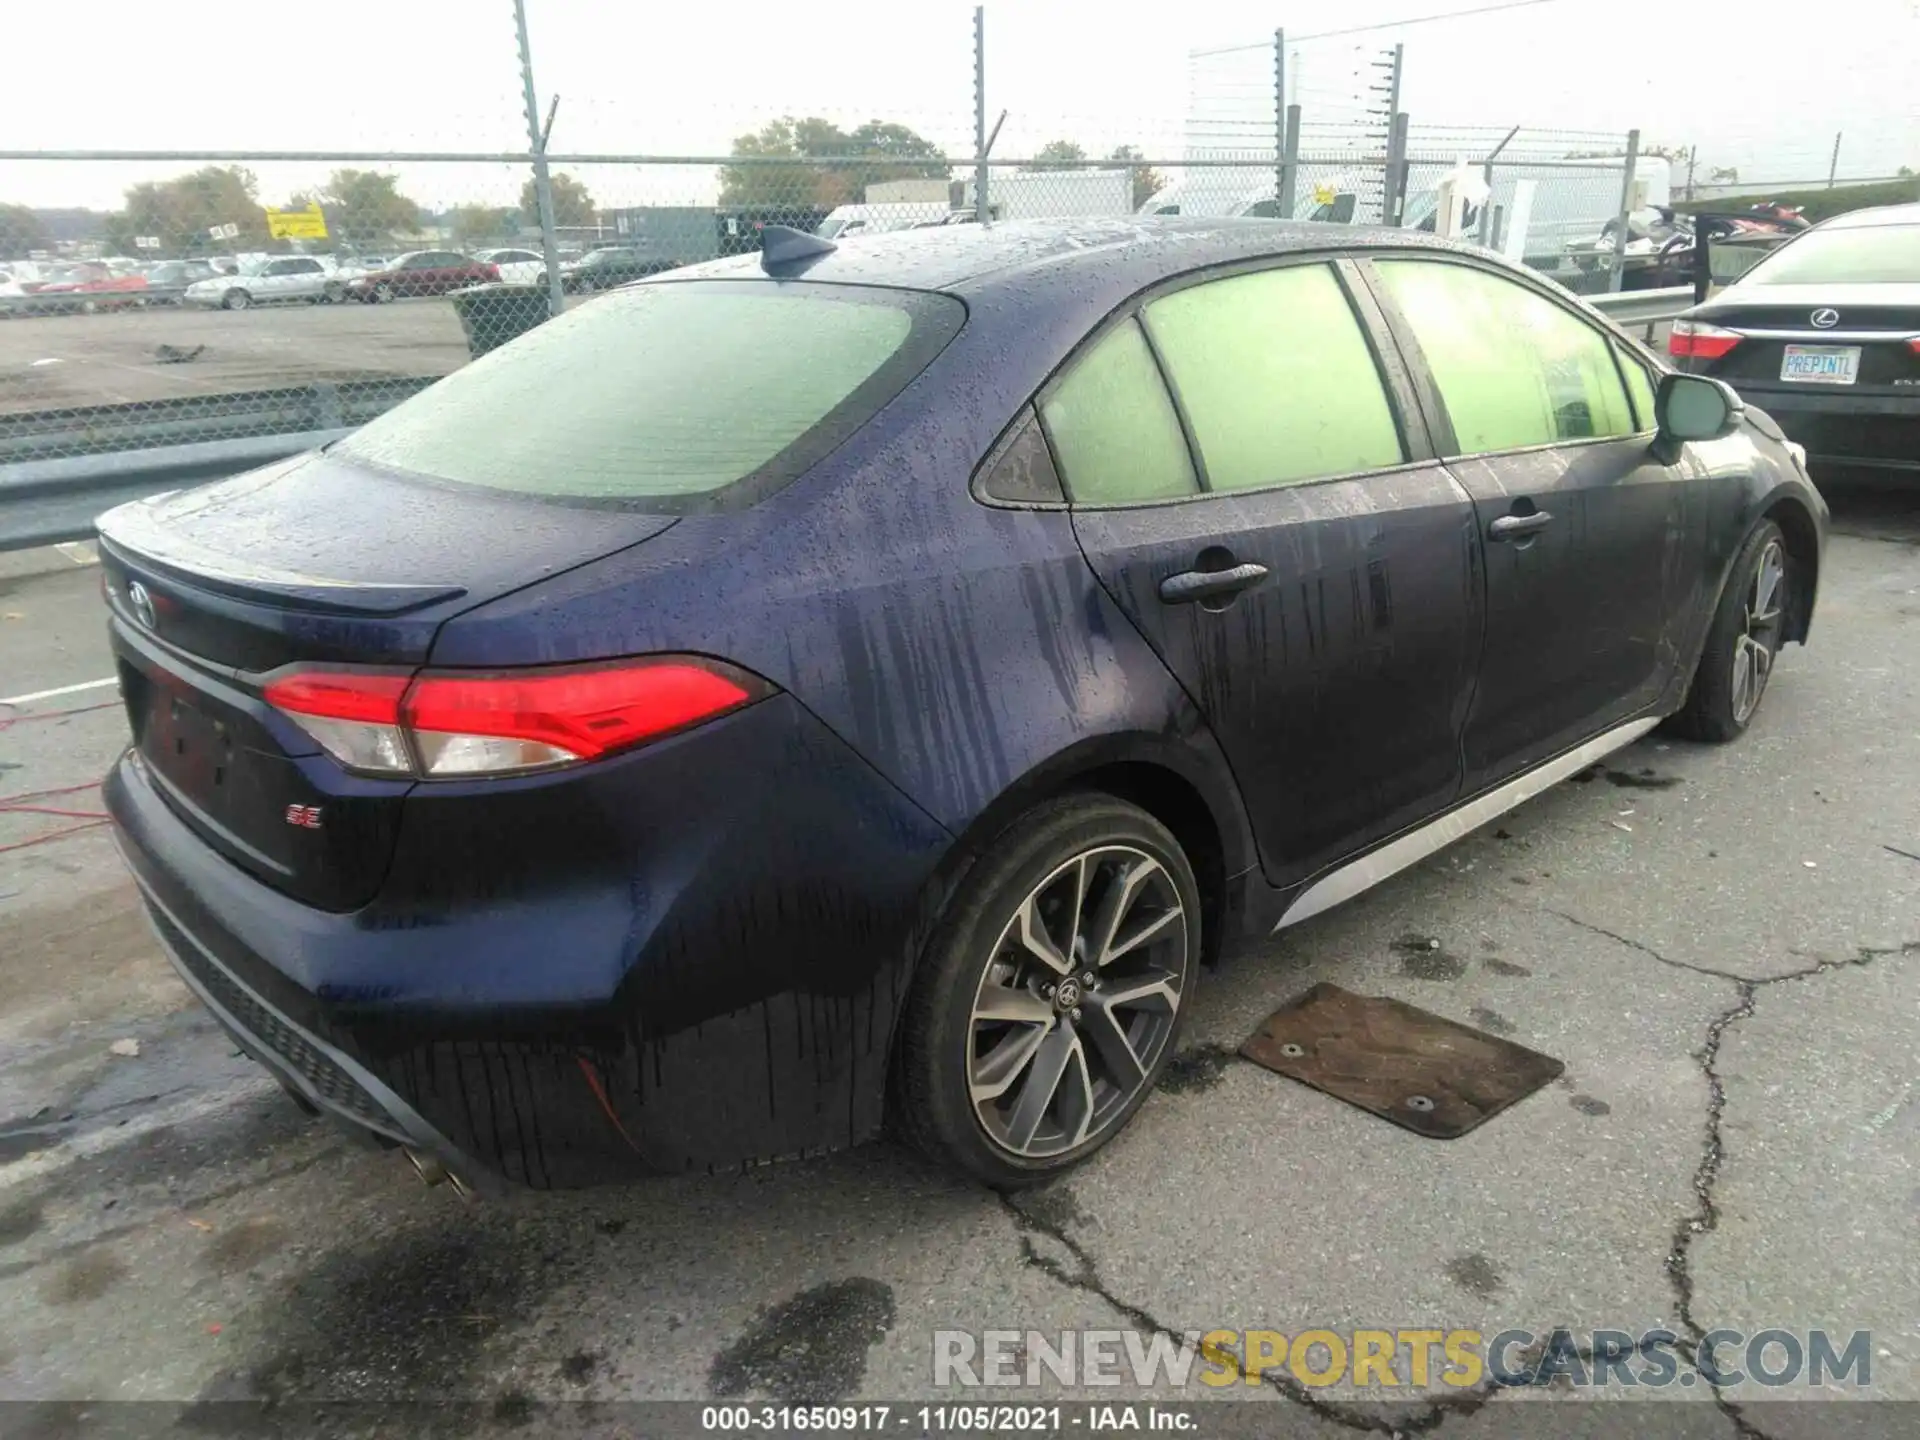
(1758, 84)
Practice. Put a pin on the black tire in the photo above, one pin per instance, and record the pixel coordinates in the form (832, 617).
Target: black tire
(236, 299)
(945, 1046)
(1721, 702)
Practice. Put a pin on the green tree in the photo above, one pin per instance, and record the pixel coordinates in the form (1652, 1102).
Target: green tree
(365, 210)
(1147, 181)
(1057, 155)
(20, 231)
(182, 210)
(813, 163)
(572, 205)
(472, 224)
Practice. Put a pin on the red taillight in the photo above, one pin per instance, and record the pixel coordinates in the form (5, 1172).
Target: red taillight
(1697, 340)
(1914, 344)
(493, 271)
(341, 695)
(445, 724)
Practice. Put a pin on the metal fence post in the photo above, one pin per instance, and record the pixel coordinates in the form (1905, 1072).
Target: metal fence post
(1394, 191)
(1486, 173)
(1619, 276)
(1280, 121)
(1290, 165)
(982, 210)
(542, 181)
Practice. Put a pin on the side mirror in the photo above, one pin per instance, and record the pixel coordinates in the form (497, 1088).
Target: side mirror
(1695, 407)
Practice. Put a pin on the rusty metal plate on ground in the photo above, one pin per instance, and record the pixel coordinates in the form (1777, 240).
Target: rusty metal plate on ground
(1425, 1073)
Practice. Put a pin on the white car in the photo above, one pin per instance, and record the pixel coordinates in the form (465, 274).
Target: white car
(278, 279)
(516, 267)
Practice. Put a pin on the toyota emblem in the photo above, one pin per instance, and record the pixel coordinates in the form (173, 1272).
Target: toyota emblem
(1825, 319)
(142, 603)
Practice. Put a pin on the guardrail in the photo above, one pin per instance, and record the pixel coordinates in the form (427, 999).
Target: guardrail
(114, 453)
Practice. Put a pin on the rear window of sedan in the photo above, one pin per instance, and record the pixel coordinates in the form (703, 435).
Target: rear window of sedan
(1866, 255)
(664, 395)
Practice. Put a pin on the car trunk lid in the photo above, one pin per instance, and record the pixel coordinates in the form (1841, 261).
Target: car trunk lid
(1849, 339)
(313, 561)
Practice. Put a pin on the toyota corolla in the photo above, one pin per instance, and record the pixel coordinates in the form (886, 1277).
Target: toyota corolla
(843, 687)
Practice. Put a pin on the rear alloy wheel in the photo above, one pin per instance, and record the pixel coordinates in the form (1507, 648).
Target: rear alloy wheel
(1052, 993)
(382, 293)
(1742, 643)
(236, 300)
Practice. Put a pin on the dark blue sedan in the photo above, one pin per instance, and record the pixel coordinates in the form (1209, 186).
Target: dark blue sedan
(835, 688)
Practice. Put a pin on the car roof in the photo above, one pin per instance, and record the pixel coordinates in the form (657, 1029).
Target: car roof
(1131, 252)
(1879, 215)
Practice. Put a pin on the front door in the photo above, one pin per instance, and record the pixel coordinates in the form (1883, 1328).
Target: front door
(1258, 502)
(1549, 420)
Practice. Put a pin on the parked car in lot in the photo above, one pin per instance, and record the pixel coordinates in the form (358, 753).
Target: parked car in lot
(609, 266)
(168, 282)
(516, 267)
(423, 272)
(1824, 333)
(270, 280)
(813, 688)
(85, 287)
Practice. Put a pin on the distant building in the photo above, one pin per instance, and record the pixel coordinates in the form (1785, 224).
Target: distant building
(907, 192)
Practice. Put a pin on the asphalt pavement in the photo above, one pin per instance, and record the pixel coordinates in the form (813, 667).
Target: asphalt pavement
(54, 362)
(1722, 944)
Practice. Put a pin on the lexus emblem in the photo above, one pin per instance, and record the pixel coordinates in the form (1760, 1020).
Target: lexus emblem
(1825, 319)
(142, 603)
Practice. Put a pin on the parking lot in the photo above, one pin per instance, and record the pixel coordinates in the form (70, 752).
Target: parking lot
(1722, 945)
(54, 362)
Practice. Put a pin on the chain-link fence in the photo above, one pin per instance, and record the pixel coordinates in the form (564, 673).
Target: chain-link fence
(264, 293)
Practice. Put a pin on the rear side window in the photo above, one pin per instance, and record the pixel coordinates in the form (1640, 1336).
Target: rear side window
(1113, 426)
(665, 394)
(1866, 255)
(1276, 378)
(1513, 367)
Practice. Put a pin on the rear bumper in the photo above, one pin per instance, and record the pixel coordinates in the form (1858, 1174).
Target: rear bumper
(1877, 430)
(693, 962)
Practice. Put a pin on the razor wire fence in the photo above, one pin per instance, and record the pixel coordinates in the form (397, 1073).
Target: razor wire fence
(233, 295)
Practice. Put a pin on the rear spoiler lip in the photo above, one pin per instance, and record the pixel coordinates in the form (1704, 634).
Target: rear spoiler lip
(129, 535)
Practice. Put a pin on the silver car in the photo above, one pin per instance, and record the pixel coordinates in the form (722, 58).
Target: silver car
(279, 279)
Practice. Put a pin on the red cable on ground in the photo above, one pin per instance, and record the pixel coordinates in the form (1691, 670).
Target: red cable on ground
(43, 838)
(17, 804)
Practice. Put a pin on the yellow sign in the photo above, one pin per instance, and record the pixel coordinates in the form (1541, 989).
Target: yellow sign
(1322, 195)
(307, 224)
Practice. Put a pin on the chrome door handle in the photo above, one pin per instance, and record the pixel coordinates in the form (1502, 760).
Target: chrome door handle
(1191, 585)
(1508, 527)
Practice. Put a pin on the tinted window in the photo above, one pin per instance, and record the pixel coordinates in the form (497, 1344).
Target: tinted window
(667, 392)
(1869, 255)
(1513, 368)
(1276, 378)
(1023, 472)
(1641, 386)
(303, 267)
(1113, 426)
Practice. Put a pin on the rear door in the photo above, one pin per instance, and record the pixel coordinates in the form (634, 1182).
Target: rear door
(1253, 488)
(1590, 540)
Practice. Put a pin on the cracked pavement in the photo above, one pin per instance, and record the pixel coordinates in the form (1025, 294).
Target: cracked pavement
(1721, 943)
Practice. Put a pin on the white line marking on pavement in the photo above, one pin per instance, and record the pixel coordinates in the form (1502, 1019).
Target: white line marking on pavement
(62, 690)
